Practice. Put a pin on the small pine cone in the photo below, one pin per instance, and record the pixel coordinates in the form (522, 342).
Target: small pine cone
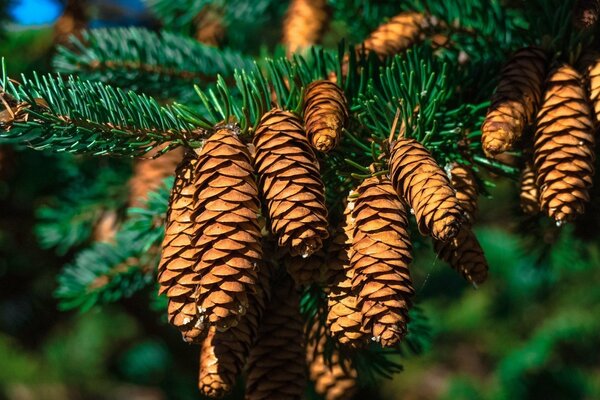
(73, 21)
(325, 114)
(224, 353)
(304, 24)
(564, 146)
(396, 35)
(306, 270)
(465, 255)
(209, 26)
(344, 318)
(591, 65)
(276, 368)
(176, 274)
(586, 13)
(226, 208)
(529, 194)
(515, 101)
(148, 174)
(334, 377)
(463, 181)
(106, 227)
(417, 178)
(381, 254)
(291, 183)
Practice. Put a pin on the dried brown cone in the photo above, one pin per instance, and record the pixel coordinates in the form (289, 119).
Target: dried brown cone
(464, 182)
(226, 208)
(344, 319)
(304, 24)
(564, 146)
(381, 254)
(209, 26)
(291, 184)
(591, 66)
(224, 353)
(529, 194)
(465, 255)
(176, 274)
(276, 368)
(73, 20)
(334, 377)
(417, 178)
(397, 35)
(307, 270)
(586, 13)
(325, 114)
(515, 102)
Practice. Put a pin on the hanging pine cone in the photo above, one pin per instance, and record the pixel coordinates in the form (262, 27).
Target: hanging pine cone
(417, 178)
(344, 319)
(209, 26)
(465, 255)
(276, 368)
(586, 13)
(564, 146)
(381, 254)
(73, 21)
(396, 35)
(464, 183)
(304, 24)
(226, 208)
(529, 194)
(306, 270)
(515, 101)
(591, 66)
(224, 353)
(291, 183)
(176, 274)
(325, 114)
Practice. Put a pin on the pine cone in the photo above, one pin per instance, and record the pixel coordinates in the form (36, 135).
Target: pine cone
(106, 227)
(417, 178)
(224, 353)
(276, 367)
(591, 65)
(291, 183)
(344, 318)
(209, 26)
(396, 35)
(463, 181)
(73, 21)
(325, 114)
(465, 255)
(306, 270)
(586, 13)
(515, 101)
(529, 191)
(176, 274)
(564, 146)
(381, 254)
(304, 24)
(226, 208)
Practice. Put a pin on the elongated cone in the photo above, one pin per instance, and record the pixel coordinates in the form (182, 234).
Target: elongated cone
(344, 319)
(325, 114)
(306, 270)
(334, 377)
(276, 368)
(416, 177)
(463, 181)
(591, 66)
(586, 13)
(515, 102)
(209, 26)
(465, 255)
(176, 274)
(224, 353)
(529, 194)
(73, 21)
(148, 174)
(304, 24)
(381, 254)
(226, 208)
(291, 184)
(397, 35)
(564, 146)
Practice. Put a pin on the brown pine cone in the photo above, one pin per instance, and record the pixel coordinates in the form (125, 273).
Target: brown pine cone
(304, 24)
(591, 66)
(106, 227)
(209, 26)
(465, 255)
(396, 35)
(325, 114)
(381, 254)
(176, 274)
(515, 101)
(291, 183)
(276, 368)
(306, 270)
(73, 20)
(564, 146)
(529, 193)
(463, 181)
(344, 318)
(417, 178)
(586, 13)
(224, 353)
(226, 208)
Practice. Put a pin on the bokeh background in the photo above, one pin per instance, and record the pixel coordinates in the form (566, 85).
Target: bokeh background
(531, 332)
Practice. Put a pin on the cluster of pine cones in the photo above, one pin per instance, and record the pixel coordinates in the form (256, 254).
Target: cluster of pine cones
(560, 106)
